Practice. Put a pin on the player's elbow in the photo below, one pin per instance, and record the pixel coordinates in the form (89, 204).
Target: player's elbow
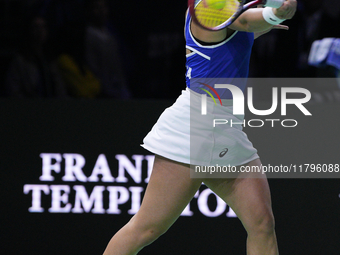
(243, 25)
(250, 27)
(252, 21)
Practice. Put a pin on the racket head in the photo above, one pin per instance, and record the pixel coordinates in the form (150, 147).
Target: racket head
(215, 19)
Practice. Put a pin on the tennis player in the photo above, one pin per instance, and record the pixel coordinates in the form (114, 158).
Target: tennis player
(223, 53)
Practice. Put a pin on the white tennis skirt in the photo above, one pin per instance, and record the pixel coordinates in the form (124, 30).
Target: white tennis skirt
(183, 134)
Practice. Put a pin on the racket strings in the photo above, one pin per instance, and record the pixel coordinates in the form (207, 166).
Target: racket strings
(211, 17)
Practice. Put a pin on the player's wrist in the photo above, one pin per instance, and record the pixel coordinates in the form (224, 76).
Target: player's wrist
(271, 16)
(278, 13)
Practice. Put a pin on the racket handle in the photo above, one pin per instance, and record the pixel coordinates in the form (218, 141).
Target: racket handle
(274, 3)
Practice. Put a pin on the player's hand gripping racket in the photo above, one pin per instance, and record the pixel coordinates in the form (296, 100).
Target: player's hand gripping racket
(218, 14)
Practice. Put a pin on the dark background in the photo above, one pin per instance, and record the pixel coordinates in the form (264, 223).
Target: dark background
(151, 44)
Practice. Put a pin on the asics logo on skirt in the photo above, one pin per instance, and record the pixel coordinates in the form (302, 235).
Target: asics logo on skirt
(222, 154)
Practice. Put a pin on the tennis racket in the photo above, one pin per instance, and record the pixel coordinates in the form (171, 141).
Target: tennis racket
(206, 12)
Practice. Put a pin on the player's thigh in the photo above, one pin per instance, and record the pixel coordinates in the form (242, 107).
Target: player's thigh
(249, 197)
(169, 191)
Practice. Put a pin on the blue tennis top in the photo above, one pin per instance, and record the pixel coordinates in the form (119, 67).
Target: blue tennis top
(227, 59)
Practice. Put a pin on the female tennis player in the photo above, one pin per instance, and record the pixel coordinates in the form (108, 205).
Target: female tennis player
(223, 53)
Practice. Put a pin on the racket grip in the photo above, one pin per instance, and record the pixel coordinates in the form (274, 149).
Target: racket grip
(274, 3)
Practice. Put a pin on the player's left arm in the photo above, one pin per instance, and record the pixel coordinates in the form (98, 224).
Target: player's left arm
(252, 20)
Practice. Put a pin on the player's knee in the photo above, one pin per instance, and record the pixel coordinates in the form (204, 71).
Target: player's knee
(151, 234)
(146, 233)
(264, 224)
(267, 224)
